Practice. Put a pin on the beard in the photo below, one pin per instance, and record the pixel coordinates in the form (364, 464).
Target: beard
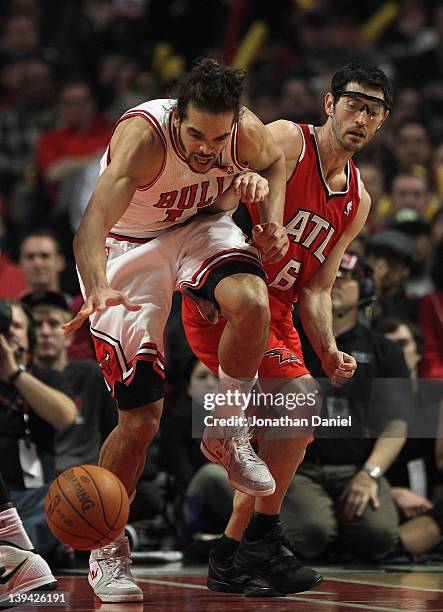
(340, 138)
(192, 158)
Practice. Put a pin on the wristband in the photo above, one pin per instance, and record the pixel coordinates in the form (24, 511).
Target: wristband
(16, 374)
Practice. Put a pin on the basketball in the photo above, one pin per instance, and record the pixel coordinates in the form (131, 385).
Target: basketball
(86, 507)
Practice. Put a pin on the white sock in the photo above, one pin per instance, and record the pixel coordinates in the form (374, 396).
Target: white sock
(12, 530)
(236, 392)
(244, 385)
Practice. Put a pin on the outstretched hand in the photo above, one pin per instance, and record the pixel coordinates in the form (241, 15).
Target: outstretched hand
(97, 301)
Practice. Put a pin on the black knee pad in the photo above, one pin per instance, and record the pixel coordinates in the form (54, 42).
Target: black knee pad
(146, 387)
(207, 291)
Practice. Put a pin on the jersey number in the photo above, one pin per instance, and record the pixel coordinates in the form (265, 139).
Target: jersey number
(287, 275)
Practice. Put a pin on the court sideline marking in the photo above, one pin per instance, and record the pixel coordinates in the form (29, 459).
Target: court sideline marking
(357, 606)
(387, 586)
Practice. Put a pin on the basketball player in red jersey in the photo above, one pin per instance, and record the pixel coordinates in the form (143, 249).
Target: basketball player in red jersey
(326, 207)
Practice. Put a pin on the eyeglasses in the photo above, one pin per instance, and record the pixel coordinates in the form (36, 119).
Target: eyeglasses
(357, 102)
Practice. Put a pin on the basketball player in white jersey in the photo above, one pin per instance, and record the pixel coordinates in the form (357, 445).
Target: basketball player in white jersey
(137, 243)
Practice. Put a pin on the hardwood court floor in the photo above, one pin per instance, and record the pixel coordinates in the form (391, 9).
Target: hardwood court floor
(171, 587)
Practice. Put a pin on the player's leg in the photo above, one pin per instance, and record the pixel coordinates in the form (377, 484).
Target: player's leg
(21, 567)
(254, 532)
(243, 301)
(256, 537)
(124, 451)
(223, 269)
(129, 347)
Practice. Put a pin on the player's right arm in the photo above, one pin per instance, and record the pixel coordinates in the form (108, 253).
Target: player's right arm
(136, 158)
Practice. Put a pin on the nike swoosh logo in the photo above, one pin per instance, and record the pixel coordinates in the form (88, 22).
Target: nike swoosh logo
(5, 577)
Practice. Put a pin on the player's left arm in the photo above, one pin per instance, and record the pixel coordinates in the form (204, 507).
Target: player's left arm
(315, 301)
(258, 150)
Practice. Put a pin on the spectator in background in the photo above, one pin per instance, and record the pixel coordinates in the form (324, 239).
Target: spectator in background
(82, 135)
(96, 410)
(407, 35)
(437, 227)
(43, 263)
(340, 496)
(408, 104)
(21, 124)
(437, 170)
(414, 473)
(374, 182)
(390, 255)
(430, 319)
(412, 148)
(298, 102)
(34, 404)
(12, 279)
(408, 191)
(20, 35)
(412, 224)
(180, 450)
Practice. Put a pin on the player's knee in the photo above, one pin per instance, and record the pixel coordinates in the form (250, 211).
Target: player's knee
(244, 300)
(139, 425)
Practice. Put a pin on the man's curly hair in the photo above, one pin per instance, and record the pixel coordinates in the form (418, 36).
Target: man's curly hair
(212, 88)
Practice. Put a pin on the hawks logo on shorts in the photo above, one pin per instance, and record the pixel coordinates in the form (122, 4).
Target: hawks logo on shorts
(283, 355)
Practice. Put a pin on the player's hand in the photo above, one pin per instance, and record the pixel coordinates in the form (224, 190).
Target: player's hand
(97, 301)
(250, 187)
(359, 491)
(410, 503)
(338, 366)
(272, 240)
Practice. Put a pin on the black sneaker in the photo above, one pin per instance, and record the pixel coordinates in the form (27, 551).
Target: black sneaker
(222, 577)
(273, 560)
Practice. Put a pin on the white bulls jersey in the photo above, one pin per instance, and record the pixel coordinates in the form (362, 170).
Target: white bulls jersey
(177, 192)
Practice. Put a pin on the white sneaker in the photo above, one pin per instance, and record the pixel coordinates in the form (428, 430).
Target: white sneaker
(22, 571)
(246, 471)
(109, 573)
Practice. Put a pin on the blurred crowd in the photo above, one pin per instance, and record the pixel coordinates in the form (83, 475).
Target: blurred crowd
(69, 69)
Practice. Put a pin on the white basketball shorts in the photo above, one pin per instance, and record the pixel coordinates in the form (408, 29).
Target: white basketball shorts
(129, 345)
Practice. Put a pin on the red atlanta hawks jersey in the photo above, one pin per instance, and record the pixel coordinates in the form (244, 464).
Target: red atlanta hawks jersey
(177, 192)
(315, 217)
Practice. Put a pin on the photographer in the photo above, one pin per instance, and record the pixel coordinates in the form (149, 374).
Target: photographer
(34, 404)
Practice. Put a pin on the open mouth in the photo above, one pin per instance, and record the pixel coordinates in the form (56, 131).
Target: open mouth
(204, 161)
(356, 134)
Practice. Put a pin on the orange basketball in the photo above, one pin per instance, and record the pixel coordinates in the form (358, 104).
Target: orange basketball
(86, 507)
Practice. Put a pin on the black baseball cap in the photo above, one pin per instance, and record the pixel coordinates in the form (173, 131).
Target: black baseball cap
(46, 298)
(394, 242)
